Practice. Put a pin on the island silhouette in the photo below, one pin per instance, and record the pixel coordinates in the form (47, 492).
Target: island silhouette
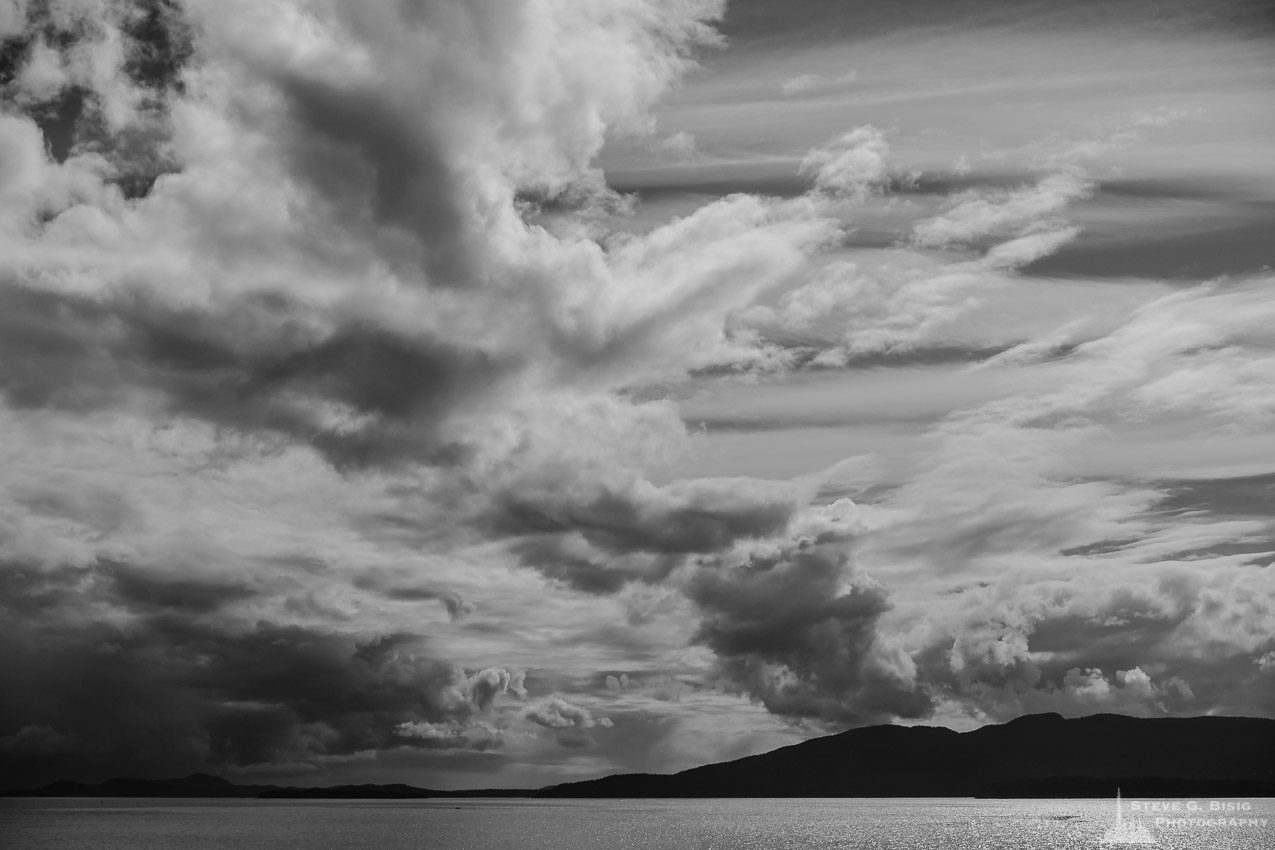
(1040, 755)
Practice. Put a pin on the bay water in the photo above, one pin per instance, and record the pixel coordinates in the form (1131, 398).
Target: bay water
(509, 824)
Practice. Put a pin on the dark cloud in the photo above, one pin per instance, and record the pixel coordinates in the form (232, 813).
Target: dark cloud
(796, 633)
(158, 39)
(456, 606)
(367, 156)
(67, 592)
(603, 539)
(156, 45)
(260, 363)
(161, 45)
(144, 592)
(560, 558)
(697, 516)
(286, 693)
(160, 687)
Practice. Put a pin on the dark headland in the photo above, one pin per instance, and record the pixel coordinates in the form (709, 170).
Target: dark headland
(1041, 755)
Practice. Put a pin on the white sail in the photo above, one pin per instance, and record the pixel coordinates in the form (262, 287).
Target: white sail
(1125, 833)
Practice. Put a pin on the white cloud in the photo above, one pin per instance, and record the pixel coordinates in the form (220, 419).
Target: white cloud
(1018, 213)
(476, 735)
(43, 76)
(851, 165)
(803, 83)
(679, 145)
(799, 84)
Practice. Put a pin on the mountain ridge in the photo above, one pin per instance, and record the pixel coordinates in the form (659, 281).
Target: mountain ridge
(1040, 755)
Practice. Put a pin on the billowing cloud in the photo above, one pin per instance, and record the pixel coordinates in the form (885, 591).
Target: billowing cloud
(796, 626)
(452, 735)
(570, 723)
(204, 691)
(850, 165)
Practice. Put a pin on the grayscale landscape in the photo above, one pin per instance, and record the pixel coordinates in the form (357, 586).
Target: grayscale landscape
(637, 423)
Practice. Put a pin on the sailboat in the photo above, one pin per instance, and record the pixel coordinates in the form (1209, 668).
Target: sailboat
(1122, 832)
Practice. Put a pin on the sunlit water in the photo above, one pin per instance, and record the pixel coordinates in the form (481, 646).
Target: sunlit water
(934, 824)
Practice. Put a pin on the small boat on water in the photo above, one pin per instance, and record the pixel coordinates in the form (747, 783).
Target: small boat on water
(1125, 832)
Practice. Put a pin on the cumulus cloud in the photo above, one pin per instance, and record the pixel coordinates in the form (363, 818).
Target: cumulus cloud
(1047, 645)
(251, 320)
(485, 685)
(618, 683)
(1066, 592)
(851, 165)
(557, 713)
(548, 146)
(452, 735)
(795, 627)
(569, 722)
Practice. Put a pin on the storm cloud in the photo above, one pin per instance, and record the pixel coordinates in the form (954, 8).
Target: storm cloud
(162, 684)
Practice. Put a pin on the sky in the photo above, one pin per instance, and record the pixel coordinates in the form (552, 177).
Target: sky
(498, 394)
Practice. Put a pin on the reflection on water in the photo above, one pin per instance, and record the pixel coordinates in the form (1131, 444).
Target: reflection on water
(912, 824)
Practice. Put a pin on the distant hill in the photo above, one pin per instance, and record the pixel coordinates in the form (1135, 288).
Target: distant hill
(205, 786)
(1040, 755)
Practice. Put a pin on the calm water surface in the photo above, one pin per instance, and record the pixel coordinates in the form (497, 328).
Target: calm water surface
(934, 824)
